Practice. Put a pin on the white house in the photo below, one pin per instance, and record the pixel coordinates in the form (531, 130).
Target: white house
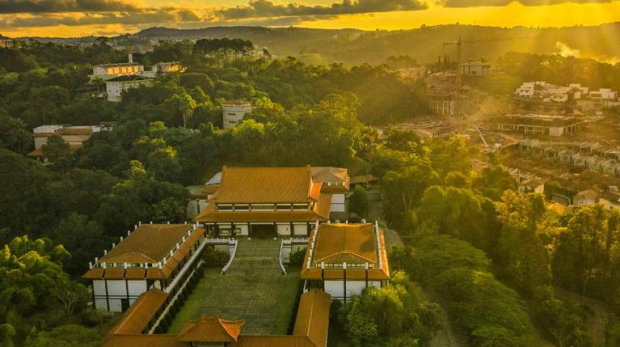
(163, 67)
(233, 112)
(476, 68)
(75, 136)
(6, 42)
(116, 86)
(109, 71)
(343, 259)
(585, 198)
(152, 256)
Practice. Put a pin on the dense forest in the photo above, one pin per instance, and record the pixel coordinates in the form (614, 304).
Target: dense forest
(487, 258)
(354, 47)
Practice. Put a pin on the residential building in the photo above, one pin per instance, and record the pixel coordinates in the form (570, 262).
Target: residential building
(413, 73)
(336, 181)
(75, 136)
(443, 104)
(603, 95)
(476, 68)
(6, 42)
(116, 86)
(547, 92)
(266, 202)
(343, 259)
(233, 112)
(163, 67)
(155, 256)
(538, 124)
(532, 185)
(110, 71)
(140, 325)
(586, 198)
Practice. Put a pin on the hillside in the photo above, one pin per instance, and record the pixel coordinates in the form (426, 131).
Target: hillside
(352, 46)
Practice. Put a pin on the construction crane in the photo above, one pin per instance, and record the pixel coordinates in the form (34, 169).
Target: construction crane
(459, 73)
(459, 69)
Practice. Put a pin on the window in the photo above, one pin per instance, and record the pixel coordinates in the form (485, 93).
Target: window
(263, 207)
(224, 207)
(243, 207)
(300, 207)
(284, 207)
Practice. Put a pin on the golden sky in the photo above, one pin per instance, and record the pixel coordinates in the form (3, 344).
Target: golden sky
(71, 18)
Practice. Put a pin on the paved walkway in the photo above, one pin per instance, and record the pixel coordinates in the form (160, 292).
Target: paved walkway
(252, 289)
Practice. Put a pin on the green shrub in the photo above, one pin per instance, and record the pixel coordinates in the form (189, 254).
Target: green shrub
(215, 258)
(296, 259)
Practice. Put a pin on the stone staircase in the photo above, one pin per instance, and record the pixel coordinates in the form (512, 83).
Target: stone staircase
(252, 287)
(256, 256)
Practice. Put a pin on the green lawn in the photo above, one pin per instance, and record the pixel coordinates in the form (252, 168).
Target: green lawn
(253, 289)
(287, 308)
(191, 307)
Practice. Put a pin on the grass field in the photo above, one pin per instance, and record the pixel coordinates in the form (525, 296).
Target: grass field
(253, 289)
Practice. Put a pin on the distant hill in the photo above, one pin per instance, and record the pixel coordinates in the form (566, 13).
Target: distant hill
(353, 46)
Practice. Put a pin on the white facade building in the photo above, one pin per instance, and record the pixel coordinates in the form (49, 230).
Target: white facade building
(476, 68)
(153, 256)
(116, 86)
(233, 112)
(344, 259)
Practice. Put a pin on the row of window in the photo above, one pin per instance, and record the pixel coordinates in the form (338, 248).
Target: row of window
(262, 207)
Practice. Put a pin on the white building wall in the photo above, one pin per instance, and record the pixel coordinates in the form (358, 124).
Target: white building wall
(117, 288)
(338, 203)
(284, 229)
(116, 305)
(99, 287)
(336, 288)
(136, 287)
(300, 229)
(233, 114)
(101, 304)
(243, 228)
(556, 131)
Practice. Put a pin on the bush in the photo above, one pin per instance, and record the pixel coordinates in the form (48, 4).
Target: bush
(296, 259)
(358, 202)
(215, 258)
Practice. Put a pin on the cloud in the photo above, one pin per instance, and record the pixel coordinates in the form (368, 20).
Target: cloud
(124, 18)
(477, 3)
(55, 6)
(266, 8)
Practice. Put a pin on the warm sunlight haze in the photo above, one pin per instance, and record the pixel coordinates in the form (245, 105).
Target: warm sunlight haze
(310, 173)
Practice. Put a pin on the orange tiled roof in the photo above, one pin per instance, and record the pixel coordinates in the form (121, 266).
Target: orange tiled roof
(320, 212)
(350, 243)
(265, 185)
(334, 179)
(147, 244)
(313, 317)
(39, 151)
(311, 326)
(211, 329)
(273, 341)
(363, 179)
(143, 310)
(154, 242)
(143, 340)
